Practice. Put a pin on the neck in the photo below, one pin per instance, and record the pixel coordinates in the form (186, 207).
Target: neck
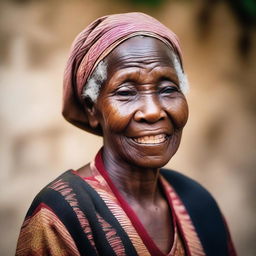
(136, 184)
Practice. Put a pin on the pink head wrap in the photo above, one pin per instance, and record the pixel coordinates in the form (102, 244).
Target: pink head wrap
(93, 44)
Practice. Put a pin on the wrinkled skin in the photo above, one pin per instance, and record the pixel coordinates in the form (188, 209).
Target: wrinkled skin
(141, 97)
(142, 112)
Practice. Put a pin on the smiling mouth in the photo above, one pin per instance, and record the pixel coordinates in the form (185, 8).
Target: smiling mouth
(151, 139)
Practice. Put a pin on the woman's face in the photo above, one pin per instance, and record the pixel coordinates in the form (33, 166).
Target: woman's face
(140, 107)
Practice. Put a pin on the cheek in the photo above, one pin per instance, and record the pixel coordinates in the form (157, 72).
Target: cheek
(178, 111)
(115, 116)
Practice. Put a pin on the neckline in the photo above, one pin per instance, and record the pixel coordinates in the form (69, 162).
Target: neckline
(146, 238)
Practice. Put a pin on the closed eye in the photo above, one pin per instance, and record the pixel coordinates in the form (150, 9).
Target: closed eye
(168, 90)
(126, 91)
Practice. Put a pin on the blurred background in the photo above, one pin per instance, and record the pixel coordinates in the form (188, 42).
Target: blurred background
(219, 144)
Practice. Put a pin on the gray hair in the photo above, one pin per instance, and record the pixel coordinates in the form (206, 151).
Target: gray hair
(183, 80)
(92, 88)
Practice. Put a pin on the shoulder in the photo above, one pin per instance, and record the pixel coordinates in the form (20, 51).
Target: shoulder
(53, 216)
(68, 200)
(187, 188)
(195, 197)
(203, 210)
(60, 194)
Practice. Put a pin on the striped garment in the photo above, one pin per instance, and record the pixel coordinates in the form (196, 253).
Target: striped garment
(88, 216)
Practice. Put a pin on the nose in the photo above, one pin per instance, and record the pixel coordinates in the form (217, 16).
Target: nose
(150, 110)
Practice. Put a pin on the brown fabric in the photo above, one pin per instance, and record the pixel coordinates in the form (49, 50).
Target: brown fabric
(44, 234)
(93, 44)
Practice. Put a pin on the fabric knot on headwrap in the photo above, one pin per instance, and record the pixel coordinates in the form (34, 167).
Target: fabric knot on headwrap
(93, 44)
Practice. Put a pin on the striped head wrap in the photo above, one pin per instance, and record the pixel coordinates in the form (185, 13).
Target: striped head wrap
(93, 44)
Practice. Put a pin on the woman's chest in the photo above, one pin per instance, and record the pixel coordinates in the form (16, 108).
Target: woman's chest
(158, 223)
(160, 232)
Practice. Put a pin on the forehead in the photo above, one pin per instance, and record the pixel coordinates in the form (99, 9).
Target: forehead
(139, 51)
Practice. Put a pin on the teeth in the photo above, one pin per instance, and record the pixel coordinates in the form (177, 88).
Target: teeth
(152, 139)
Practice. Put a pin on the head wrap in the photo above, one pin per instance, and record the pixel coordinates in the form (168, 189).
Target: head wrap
(93, 44)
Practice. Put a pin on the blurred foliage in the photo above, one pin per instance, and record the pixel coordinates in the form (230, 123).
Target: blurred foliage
(249, 7)
(245, 11)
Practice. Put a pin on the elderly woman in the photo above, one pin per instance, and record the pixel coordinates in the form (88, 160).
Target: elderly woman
(125, 81)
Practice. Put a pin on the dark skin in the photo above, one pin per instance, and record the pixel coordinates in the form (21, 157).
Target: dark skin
(142, 112)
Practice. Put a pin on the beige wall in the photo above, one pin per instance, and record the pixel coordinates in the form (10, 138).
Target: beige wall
(218, 147)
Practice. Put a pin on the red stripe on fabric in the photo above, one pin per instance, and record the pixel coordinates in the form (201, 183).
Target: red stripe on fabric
(39, 207)
(84, 178)
(181, 232)
(231, 247)
(147, 240)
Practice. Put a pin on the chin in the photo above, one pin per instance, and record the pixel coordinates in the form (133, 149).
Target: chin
(154, 156)
(150, 161)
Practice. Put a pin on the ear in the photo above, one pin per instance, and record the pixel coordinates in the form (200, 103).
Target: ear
(91, 111)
